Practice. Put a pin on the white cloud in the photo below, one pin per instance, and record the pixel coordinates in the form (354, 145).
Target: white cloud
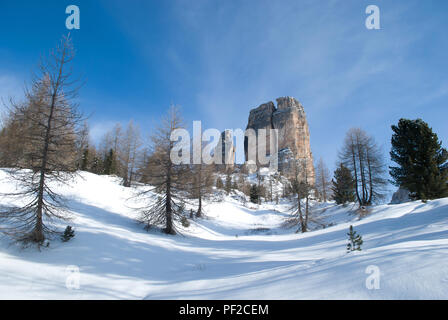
(100, 128)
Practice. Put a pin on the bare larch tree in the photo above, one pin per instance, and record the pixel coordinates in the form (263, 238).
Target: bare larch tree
(130, 151)
(363, 157)
(302, 213)
(323, 181)
(48, 123)
(201, 184)
(168, 180)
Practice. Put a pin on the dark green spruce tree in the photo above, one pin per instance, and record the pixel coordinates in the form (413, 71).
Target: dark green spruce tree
(422, 162)
(97, 165)
(85, 160)
(109, 163)
(69, 233)
(343, 185)
(354, 240)
(254, 194)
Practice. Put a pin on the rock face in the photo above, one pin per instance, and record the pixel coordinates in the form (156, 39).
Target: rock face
(227, 149)
(400, 196)
(289, 119)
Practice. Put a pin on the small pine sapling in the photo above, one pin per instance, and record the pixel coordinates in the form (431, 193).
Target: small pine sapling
(185, 222)
(69, 233)
(355, 241)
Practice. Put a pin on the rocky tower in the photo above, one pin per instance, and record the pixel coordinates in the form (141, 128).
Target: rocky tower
(227, 149)
(293, 133)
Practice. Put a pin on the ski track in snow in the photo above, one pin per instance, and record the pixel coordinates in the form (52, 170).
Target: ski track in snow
(237, 252)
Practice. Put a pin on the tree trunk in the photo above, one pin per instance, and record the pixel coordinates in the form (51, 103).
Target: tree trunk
(199, 212)
(199, 186)
(370, 180)
(356, 177)
(362, 174)
(168, 210)
(307, 211)
(301, 220)
(38, 234)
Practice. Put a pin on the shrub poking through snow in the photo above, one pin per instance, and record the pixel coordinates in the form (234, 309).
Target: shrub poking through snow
(354, 241)
(185, 222)
(69, 233)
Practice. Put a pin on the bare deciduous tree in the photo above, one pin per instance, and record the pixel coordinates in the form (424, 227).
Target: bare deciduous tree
(48, 122)
(302, 189)
(130, 150)
(82, 146)
(323, 181)
(202, 184)
(363, 157)
(166, 197)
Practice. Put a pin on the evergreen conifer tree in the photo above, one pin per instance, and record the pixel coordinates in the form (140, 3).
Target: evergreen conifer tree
(85, 159)
(97, 165)
(354, 241)
(422, 162)
(69, 233)
(343, 186)
(254, 194)
(109, 163)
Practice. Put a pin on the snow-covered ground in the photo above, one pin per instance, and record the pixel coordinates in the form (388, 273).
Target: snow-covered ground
(238, 252)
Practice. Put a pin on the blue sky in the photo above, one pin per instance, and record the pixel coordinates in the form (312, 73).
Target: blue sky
(219, 59)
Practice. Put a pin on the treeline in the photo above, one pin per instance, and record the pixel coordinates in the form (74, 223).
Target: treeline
(421, 165)
(45, 139)
(120, 151)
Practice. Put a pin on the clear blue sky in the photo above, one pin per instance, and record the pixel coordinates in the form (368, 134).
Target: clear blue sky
(219, 59)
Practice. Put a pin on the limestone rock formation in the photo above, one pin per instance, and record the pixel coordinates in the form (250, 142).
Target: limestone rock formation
(289, 119)
(227, 149)
(400, 196)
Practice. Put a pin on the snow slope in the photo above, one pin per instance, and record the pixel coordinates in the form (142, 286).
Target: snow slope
(238, 252)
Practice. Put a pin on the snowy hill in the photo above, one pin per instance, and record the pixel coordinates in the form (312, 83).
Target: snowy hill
(238, 252)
